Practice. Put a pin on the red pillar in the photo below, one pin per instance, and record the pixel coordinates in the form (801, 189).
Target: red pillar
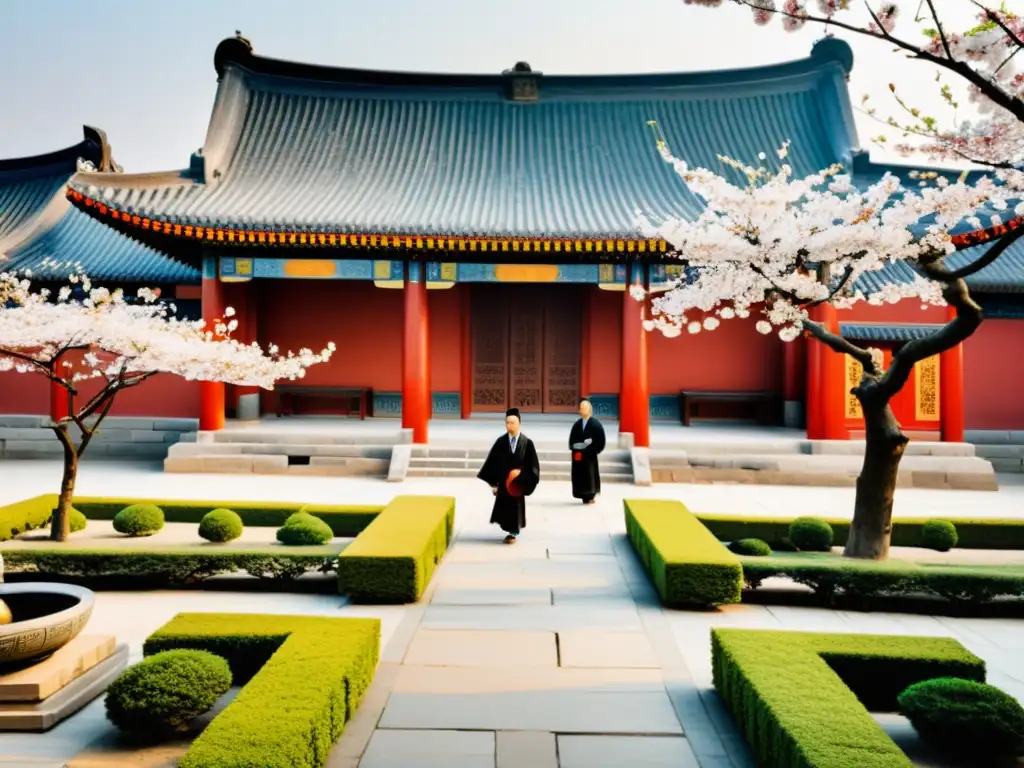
(247, 307)
(826, 382)
(794, 377)
(951, 390)
(211, 393)
(466, 372)
(60, 398)
(634, 402)
(416, 355)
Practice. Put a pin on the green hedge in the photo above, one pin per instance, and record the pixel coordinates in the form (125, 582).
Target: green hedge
(393, 559)
(829, 575)
(802, 699)
(687, 564)
(345, 520)
(304, 678)
(167, 566)
(974, 533)
(26, 515)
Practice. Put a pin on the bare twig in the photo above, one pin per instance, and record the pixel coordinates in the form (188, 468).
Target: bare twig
(936, 270)
(844, 346)
(941, 31)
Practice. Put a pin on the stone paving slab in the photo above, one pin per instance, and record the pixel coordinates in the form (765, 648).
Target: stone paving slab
(429, 749)
(453, 681)
(576, 751)
(606, 650)
(526, 749)
(553, 618)
(496, 596)
(460, 648)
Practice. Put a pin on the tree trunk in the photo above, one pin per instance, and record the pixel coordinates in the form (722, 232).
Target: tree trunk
(60, 525)
(876, 486)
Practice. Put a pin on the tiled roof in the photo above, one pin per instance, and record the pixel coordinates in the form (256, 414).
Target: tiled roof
(41, 233)
(79, 243)
(885, 332)
(300, 148)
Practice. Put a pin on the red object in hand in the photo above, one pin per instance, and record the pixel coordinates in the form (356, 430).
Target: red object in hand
(577, 456)
(510, 484)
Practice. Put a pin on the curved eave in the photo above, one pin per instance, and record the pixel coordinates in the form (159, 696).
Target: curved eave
(409, 241)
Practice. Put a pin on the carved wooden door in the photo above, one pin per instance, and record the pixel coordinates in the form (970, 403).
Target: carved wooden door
(489, 320)
(526, 339)
(562, 341)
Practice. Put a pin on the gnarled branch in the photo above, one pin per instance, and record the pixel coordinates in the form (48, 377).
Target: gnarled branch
(939, 271)
(844, 346)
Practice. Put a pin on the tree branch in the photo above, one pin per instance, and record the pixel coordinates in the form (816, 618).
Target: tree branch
(938, 271)
(994, 18)
(942, 32)
(843, 346)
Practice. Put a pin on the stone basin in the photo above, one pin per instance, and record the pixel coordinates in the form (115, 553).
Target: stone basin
(46, 616)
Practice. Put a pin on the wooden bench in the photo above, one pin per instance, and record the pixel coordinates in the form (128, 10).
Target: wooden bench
(357, 399)
(768, 404)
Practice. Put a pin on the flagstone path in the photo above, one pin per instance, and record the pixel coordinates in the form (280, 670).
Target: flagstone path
(550, 652)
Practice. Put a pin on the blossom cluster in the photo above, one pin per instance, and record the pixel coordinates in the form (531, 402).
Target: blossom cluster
(123, 339)
(778, 244)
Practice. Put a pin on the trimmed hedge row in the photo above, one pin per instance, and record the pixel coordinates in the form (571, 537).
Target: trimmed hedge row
(346, 520)
(304, 677)
(687, 564)
(167, 566)
(973, 533)
(393, 559)
(802, 699)
(26, 515)
(829, 575)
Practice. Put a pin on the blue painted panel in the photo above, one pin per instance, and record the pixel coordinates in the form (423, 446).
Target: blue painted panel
(387, 404)
(476, 273)
(445, 405)
(605, 406)
(664, 408)
(415, 272)
(344, 269)
(209, 267)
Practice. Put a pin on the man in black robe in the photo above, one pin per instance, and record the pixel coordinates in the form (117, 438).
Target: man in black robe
(586, 441)
(513, 471)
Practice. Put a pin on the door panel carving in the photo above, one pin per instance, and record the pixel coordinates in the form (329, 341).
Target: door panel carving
(527, 345)
(490, 351)
(562, 339)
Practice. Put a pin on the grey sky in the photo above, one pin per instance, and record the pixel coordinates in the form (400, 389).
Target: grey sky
(144, 71)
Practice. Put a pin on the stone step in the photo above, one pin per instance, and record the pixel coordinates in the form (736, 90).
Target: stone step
(241, 464)
(480, 453)
(606, 477)
(1004, 457)
(182, 450)
(564, 465)
(270, 437)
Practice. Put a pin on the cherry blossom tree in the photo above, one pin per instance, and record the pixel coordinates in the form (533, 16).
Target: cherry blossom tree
(119, 343)
(781, 246)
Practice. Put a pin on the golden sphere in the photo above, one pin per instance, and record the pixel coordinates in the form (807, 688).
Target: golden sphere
(5, 613)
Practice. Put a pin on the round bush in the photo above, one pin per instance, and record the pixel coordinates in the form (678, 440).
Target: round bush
(302, 529)
(750, 547)
(162, 693)
(939, 535)
(810, 534)
(220, 525)
(964, 716)
(139, 520)
(78, 521)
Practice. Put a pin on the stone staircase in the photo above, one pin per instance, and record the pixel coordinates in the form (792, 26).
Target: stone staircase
(555, 463)
(253, 451)
(1005, 449)
(818, 463)
(120, 437)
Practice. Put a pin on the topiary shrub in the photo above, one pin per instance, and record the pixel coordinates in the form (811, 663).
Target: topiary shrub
(160, 694)
(78, 521)
(139, 520)
(810, 534)
(750, 548)
(965, 716)
(302, 529)
(939, 535)
(220, 525)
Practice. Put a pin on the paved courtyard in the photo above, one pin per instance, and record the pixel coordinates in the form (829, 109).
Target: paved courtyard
(551, 652)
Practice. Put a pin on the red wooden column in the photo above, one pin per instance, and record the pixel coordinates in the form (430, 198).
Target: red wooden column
(951, 390)
(416, 354)
(211, 393)
(826, 382)
(634, 400)
(247, 310)
(794, 379)
(60, 398)
(466, 372)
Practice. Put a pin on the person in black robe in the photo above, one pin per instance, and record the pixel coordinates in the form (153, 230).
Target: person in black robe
(512, 469)
(586, 441)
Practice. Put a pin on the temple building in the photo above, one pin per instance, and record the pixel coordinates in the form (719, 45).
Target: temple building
(467, 241)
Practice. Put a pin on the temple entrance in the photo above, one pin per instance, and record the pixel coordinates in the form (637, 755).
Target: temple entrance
(526, 347)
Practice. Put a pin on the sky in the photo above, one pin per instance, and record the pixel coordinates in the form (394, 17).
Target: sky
(143, 72)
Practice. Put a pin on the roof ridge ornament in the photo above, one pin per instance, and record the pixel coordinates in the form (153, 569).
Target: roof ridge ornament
(523, 84)
(237, 49)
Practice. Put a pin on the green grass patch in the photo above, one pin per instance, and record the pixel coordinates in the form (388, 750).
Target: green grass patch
(303, 676)
(687, 564)
(973, 533)
(393, 559)
(830, 574)
(802, 700)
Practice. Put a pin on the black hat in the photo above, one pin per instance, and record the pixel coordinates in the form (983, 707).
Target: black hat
(513, 412)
